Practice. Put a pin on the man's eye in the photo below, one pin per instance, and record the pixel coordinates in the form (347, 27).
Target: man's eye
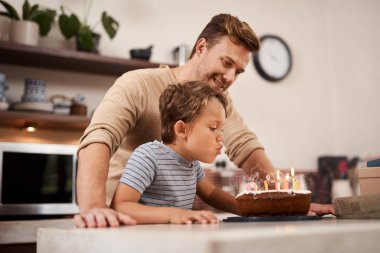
(227, 63)
(239, 72)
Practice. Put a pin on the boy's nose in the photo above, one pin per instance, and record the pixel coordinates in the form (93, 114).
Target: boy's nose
(219, 138)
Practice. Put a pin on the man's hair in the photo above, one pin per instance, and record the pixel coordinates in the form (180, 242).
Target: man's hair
(225, 24)
(184, 101)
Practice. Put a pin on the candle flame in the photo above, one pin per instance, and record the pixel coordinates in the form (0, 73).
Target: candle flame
(292, 172)
(287, 176)
(278, 175)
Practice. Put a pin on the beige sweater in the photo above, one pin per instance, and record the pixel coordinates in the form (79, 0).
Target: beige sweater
(128, 116)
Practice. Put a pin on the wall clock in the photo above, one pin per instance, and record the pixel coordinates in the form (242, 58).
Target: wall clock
(274, 60)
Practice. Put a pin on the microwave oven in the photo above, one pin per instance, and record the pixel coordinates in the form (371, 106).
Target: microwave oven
(37, 179)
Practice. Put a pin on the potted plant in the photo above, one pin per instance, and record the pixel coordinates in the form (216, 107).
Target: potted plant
(34, 21)
(87, 40)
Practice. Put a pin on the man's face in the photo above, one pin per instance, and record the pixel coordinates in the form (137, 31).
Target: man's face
(221, 64)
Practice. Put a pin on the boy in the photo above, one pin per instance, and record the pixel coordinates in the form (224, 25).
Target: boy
(161, 179)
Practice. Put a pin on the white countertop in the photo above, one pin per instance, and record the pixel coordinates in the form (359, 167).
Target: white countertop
(327, 235)
(25, 231)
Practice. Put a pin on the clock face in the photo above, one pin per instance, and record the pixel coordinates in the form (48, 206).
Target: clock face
(273, 61)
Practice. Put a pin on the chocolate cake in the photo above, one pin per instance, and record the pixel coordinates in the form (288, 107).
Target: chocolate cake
(273, 203)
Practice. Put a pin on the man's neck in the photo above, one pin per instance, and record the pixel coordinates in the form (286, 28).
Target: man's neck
(185, 72)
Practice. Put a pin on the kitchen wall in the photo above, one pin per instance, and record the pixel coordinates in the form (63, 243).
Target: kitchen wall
(328, 103)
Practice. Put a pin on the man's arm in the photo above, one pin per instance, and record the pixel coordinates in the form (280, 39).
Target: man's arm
(93, 162)
(258, 161)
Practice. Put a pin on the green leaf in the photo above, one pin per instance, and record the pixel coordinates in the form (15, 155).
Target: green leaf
(85, 38)
(69, 25)
(44, 18)
(11, 12)
(33, 12)
(25, 10)
(110, 25)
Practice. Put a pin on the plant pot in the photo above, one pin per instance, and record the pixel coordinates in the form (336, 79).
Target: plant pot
(83, 47)
(5, 24)
(24, 32)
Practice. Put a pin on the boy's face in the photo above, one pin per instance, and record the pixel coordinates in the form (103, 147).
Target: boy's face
(220, 65)
(204, 139)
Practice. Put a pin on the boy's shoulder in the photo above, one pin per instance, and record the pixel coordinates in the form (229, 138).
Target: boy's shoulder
(153, 149)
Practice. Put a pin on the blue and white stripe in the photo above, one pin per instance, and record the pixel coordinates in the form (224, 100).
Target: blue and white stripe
(162, 176)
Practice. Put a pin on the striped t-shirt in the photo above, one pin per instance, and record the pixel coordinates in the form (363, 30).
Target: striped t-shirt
(162, 176)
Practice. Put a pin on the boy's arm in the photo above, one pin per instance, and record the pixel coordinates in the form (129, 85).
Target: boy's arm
(216, 197)
(125, 201)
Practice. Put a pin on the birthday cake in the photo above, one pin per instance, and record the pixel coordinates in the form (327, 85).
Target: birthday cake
(274, 202)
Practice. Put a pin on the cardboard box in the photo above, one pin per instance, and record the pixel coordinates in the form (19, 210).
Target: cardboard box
(369, 180)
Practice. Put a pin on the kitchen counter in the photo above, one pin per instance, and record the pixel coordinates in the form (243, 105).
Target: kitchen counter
(326, 235)
(25, 231)
(21, 235)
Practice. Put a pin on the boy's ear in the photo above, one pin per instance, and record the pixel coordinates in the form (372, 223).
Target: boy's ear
(180, 129)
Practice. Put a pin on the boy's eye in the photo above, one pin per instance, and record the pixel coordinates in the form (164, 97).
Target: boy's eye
(212, 129)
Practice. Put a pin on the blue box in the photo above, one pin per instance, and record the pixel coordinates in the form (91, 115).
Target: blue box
(373, 163)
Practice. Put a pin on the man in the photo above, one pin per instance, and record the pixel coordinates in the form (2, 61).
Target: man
(129, 116)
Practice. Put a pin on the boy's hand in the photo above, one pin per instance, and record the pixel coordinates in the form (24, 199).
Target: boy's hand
(189, 217)
(321, 209)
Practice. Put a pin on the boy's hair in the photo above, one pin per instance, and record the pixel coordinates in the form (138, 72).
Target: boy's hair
(225, 24)
(184, 101)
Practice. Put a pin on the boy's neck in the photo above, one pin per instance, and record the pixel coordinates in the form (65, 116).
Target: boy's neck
(181, 151)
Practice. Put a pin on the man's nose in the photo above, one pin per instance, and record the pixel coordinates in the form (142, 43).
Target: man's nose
(229, 76)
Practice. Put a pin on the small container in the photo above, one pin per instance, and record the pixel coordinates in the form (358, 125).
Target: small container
(180, 54)
(34, 91)
(143, 54)
(369, 180)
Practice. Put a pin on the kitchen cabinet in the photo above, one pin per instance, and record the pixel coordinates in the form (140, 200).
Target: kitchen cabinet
(66, 60)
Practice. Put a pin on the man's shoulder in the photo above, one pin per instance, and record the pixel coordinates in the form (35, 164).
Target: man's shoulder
(142, 79)
(147, 73)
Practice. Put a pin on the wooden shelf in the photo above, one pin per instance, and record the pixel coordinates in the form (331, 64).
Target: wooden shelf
(18, 119)
(62, 59)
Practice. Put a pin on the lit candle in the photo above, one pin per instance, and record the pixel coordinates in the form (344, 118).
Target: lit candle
(278, 181)
(286, 181)
(293, 179)
(266, 185)
(298, 184)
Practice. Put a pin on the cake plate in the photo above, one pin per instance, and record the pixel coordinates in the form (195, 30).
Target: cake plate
(271, 218)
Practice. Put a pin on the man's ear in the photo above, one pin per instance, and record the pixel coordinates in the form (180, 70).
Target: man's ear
(180, 129)
(201, 45)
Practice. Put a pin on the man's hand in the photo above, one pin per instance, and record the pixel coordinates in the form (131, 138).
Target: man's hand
(321, 209)
(102, 217)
